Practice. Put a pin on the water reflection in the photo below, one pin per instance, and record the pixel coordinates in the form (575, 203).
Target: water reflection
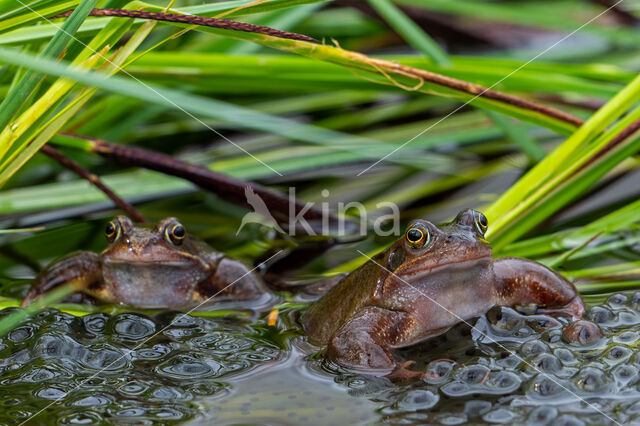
(288, 394)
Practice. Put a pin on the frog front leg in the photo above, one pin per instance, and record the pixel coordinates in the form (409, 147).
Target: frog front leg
(230, 280)
(82, 269)
(364, 342)
(521, 282)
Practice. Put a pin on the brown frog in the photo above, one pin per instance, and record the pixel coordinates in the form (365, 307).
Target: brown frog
(428, 281)
(160, 267)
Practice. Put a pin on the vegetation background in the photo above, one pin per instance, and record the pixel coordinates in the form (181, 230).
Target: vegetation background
(320, 116)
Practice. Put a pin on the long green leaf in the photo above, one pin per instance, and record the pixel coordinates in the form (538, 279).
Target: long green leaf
(21, 91)
(201, 106)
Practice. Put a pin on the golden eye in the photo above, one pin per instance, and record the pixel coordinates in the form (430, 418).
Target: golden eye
(175, 233)
(112, 231)
(417, 236)
(481, 222)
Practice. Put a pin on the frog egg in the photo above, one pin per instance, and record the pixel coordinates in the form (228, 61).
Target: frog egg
(627, 337)
(544, 388)
(474, 374)
(94, 324)
(592, 380)
(439, 369)
(566, 356)
(476, 408)
(618, 354)
(546, 363)
(542, 415)
(623, 374)
(617, 300)
(130, 327)
(20, 334)
(418, 400)
(628, 318)
(533, 348)
(499, 416)
(634, 302)
(601, 315)
(543, 323)
(502, 318)
(502, 383)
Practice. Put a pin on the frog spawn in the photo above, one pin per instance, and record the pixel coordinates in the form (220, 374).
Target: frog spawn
(524, 378)
(104, 369)
(519, 369)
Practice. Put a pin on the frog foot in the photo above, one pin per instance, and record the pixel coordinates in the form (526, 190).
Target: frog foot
(582, 332)
(401, 372)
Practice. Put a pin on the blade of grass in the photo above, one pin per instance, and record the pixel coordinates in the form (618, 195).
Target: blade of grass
(445, 86)
(21, 91)
(14, 319)
(420, 40)
(205, 107)
(410, 31)
(573, 181)
(519, 136)
(500, 213)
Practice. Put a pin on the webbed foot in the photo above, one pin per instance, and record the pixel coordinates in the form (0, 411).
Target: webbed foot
(582, 332)
(401, 373)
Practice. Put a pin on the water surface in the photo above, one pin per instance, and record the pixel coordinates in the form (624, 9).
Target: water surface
(170, 368)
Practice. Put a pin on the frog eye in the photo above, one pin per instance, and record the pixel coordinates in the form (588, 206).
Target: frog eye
(481, 222)
(418, 236)
(112, 231)
(175, 233)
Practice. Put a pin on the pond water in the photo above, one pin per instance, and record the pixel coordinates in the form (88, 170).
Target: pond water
(171, 368)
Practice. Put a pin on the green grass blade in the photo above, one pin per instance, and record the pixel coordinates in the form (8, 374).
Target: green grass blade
(410, 31)
(21, 91)
(502, 213)
(201, 106)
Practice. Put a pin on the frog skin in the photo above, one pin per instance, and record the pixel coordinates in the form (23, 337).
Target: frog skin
(428, 281)
(151, 267)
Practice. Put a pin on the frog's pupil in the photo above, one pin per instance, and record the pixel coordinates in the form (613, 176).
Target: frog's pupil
(110, 229)
(414, 235)
(178, 231)
(483, 220)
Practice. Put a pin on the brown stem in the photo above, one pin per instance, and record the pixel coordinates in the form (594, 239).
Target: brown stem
(625, 133)
(377, 64)
(228, 188)
(622, 16)
(196, 20)
(94, 180)
(464, 86)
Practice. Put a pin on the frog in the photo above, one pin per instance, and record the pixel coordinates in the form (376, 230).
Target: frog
(430, 279)
(154, 267)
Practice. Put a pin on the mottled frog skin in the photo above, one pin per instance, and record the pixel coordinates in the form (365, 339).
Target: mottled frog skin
(431, 279)
(152, 267)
